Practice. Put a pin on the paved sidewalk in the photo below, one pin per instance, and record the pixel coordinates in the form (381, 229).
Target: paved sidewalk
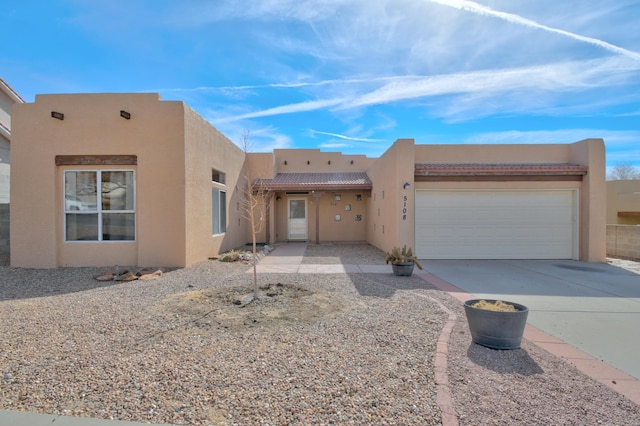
(286, 258)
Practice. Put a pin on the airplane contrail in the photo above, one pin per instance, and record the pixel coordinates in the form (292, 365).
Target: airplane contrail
(479, 9)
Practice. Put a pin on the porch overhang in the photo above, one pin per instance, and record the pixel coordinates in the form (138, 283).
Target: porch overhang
(315, 182)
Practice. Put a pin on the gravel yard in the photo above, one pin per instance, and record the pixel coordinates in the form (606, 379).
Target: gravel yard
(321, 349)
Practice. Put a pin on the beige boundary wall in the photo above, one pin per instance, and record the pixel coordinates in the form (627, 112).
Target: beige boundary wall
(623, 202)
(623, 241)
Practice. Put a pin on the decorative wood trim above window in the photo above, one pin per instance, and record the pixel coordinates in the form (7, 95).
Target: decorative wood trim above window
(628, 214)
(96, 160)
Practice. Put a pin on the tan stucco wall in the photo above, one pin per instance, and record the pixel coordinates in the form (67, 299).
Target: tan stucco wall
(387, 224)
(493, 153)
(206, 149)
(623, 196)
(92, 126)
(319, 161)
(593, 199)
(176, 151)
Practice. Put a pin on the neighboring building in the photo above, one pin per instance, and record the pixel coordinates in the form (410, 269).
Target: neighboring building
(128, 179)
(623, 202)
(8, 97)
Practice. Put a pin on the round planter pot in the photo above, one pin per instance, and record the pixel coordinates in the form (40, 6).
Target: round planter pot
(403, 269)
(496, 330)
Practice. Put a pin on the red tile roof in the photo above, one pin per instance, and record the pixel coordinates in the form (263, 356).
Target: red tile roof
(315, 181)
(506, 169)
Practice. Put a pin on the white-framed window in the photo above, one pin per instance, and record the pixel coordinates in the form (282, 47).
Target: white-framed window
(99, 205)
(219, 211)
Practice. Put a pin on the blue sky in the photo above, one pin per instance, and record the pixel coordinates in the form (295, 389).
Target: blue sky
(350, 75)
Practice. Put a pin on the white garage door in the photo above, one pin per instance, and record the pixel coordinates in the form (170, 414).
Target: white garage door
(496, 224)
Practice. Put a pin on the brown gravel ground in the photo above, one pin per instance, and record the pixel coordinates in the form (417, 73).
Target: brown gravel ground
(321, 349)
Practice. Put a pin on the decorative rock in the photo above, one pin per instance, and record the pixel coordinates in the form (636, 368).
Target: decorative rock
(129, 276)
(151, 276)
(105, 277)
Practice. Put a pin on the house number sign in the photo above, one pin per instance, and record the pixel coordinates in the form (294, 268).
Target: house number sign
(404, 207)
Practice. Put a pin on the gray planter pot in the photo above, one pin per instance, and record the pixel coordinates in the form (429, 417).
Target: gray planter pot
(403, 269)
(496, 330)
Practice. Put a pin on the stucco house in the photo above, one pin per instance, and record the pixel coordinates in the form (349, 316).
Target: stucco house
(105, 179)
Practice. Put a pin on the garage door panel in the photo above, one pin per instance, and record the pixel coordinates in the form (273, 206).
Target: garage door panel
(495, 224)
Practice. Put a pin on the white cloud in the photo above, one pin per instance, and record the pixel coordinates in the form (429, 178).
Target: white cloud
(285, 109)
(349, 138)
(519, 20)
(521, 88)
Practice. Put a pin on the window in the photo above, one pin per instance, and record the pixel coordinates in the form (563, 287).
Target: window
(219, 210)
(111, 217)
(218, 176)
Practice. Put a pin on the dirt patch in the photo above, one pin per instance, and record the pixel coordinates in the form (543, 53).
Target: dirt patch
(233, 308)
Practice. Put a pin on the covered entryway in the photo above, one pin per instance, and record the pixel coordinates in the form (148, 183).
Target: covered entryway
(318, 206)
(492, 224)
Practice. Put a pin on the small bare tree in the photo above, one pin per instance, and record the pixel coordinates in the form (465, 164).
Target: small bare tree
(253, 209)
(624, 171)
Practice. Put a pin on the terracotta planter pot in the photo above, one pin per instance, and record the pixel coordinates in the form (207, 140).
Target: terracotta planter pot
(403, 269)
(496, 330)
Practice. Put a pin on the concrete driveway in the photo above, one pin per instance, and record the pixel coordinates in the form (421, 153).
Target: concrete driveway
(593, 307)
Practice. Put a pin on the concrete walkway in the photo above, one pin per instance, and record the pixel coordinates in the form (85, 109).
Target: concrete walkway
(287, 259)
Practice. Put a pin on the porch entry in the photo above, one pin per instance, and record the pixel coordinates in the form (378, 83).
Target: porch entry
(298, 226)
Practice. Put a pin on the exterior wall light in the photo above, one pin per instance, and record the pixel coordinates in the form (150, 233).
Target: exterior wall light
(406, 185)
(125, 114)
(58, 115)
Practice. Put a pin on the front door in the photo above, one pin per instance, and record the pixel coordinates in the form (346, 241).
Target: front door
(298, 229)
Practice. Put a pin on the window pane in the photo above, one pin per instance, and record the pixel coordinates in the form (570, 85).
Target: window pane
(223, 211)
(117, 190)
(118, 226)
(82, 227)
(215, 209)
(218, 176)
(218, 211)
(297, 209)
(80, 191)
